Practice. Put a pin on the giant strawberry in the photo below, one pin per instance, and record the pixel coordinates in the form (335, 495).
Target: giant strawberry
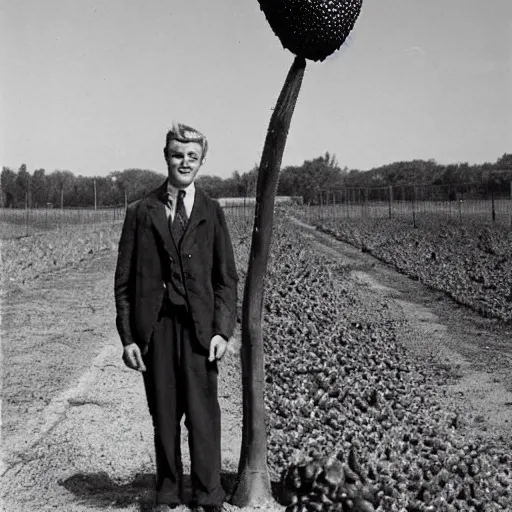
(312, 29)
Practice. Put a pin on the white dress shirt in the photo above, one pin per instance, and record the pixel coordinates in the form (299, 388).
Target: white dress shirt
(188, 200)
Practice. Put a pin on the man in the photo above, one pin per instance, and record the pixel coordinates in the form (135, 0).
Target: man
(176, 292)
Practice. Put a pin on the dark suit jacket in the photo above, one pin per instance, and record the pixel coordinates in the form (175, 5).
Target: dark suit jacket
(148, 259)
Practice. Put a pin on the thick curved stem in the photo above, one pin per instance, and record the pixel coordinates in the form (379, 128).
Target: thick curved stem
(253, 487)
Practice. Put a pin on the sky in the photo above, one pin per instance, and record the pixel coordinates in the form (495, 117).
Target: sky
(92, 86)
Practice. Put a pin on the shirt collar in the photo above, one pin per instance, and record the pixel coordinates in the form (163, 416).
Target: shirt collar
(173, 191)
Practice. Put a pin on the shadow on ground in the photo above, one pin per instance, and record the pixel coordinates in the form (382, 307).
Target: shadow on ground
(99, 490)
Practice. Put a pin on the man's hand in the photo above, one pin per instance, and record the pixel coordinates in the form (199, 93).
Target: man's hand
(217, 347)
(133, 358)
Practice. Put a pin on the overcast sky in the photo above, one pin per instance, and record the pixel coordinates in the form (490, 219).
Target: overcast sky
(92, 85)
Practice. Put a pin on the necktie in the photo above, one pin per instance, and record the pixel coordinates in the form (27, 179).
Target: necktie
(180, 221)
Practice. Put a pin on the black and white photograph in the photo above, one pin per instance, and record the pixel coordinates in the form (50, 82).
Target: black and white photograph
(256, 255)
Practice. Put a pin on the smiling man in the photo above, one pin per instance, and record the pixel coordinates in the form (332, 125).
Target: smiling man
(176, 292)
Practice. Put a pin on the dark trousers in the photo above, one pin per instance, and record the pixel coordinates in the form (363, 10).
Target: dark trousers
(180, 381)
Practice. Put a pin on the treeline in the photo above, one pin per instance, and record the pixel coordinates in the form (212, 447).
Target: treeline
(63, 188)
(40, 189)
(20, 189)
(495, 175)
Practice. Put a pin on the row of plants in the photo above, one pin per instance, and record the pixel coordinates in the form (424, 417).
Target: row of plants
(354, 421)
(30, 257)
(470, 262)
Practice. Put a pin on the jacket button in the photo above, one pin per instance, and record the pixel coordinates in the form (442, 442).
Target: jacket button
(189, 255)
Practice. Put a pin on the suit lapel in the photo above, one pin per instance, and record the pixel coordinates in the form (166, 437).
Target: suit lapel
(198, 215)
(157, 213)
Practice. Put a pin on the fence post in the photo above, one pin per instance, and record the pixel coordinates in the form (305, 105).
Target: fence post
(26, 208)
(414, 207)
(493, 206)
(390, 199)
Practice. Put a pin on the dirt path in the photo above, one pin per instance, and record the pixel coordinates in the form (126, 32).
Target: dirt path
(76, 434)
(475, 353)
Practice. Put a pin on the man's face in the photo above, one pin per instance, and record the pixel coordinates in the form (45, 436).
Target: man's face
(183, 162)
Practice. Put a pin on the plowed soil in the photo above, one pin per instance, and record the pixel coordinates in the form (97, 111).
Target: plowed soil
(76, 435)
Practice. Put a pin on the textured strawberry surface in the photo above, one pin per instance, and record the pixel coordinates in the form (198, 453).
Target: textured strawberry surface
(312, 29)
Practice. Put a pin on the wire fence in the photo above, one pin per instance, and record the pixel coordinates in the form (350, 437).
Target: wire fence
(16, 222)
(412, 203)
(19, 222)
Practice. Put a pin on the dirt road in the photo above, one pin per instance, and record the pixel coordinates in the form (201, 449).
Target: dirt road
(76, 434)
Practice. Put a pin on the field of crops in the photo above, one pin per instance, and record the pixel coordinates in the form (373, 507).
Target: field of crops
(27, 258)
(338, 383)
(470, 262)
(354, 422)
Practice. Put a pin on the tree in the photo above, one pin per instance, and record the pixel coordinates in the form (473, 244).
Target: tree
(135, 183)
(39, 188)
(8, 183)
(504, 161)
(59, 183)
(23, 186)
(312, 177)
(212, 185)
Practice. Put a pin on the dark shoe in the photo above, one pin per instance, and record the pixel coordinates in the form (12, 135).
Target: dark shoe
(208, 508)
(164, 508)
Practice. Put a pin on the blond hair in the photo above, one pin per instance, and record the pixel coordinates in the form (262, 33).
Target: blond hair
(183, 133)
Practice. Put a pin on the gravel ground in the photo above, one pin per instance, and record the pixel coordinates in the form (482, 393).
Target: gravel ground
(76, 433)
